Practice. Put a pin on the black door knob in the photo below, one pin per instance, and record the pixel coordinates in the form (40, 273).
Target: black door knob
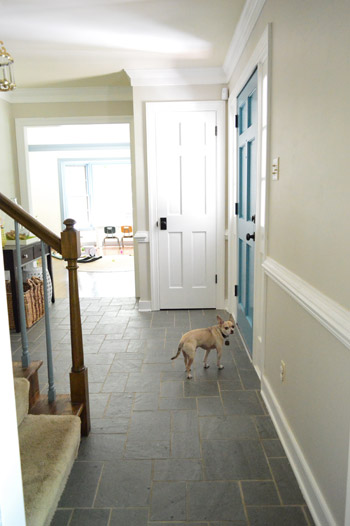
(163, 223)
(250, 236)
(253, 218)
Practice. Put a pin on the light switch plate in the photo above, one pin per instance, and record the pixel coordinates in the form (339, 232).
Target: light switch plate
(276, 169)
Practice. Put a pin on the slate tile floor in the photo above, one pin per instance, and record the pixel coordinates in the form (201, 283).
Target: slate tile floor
(164, 450)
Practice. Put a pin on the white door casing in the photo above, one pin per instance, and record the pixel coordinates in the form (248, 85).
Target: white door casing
(186, 187)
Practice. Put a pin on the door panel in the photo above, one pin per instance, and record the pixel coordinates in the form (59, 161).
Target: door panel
(247, 168)
(186, 196)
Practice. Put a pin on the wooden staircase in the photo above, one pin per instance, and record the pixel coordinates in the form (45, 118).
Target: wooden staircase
(38, 403)
(77, 403)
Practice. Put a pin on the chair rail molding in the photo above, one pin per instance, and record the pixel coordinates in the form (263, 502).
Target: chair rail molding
(334, 317)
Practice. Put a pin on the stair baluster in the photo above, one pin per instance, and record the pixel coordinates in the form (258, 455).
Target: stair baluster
(50, 374)
(22, 312)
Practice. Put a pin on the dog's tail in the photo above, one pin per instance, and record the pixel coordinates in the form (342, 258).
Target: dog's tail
(178, 351)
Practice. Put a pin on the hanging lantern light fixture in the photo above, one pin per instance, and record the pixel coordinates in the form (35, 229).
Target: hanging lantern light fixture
(7, 79)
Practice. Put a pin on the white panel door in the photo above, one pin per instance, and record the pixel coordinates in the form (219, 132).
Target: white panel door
(185, 164)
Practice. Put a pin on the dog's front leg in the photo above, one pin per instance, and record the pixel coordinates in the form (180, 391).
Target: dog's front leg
(219, 351)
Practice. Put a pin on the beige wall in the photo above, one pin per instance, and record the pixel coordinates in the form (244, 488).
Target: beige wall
(308, 226)
(141, 95)
(8, 162)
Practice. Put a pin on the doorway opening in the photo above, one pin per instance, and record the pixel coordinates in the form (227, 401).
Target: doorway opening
(83, 171)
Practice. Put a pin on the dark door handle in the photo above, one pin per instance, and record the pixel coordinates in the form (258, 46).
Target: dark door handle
(163, 223)
(253, 218)
(250, 236)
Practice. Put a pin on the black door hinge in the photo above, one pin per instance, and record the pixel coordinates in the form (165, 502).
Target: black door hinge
(236, 209)
(216, 131)
(236, 290)
(236, 121)
(216, 278)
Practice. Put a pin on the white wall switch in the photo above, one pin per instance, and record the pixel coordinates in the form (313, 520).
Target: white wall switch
(276, 169)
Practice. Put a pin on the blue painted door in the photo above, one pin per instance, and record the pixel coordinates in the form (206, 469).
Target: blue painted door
(247, 104)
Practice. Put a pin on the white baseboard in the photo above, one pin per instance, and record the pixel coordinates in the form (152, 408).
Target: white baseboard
(308, 485)
(144, 306)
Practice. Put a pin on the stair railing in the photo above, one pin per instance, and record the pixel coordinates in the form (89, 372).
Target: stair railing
(69, 247)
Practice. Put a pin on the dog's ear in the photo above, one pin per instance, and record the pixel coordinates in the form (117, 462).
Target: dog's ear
(220, 320)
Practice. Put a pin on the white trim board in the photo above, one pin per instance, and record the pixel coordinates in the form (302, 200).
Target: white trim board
(334, 317)
(87, 94)
(249, 17)
(308, 485)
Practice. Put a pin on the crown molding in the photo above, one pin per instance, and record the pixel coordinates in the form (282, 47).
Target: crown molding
(89, 94)
(247, 21)
(176, 77)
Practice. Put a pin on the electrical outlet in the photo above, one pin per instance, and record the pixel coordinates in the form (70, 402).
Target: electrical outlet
(282, 371)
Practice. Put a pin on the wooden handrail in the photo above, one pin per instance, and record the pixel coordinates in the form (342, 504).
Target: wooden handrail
(18, 214)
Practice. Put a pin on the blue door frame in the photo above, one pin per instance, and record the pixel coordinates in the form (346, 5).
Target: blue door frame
(247, 104)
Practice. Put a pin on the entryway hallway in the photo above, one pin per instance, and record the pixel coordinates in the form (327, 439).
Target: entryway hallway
(164, 450)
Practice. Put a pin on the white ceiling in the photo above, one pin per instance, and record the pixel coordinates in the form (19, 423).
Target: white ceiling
(58, 43)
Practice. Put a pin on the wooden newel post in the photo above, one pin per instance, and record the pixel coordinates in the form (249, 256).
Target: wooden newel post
(70, 242)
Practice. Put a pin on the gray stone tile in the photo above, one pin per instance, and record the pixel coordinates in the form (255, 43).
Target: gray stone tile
(115, 383)
(132, 334)
(234, 460)
(146, 402)
(110, 328)
(241, 403)
(101, 447)
(171, 389)
(257, 493)
(129, 517)
(180, 404)
(286, 482)
(98, 373)
(109, 346)
(136, 345)
(126, 366)
(193, 388)
(178, 470)
(181, 524)
(230, 385)
(153, 334)
(120, 405)
(273, 448)
(265, 427)
(99, 359)
(276, 516)
(163, 367)
(214, 501)
(81, 486)
(90, 517)
(142, 448)
(210, 406)
(151, 425)
(61, 517)
(168, 501)
(185, 445)
(139, 383)
(185, 422)
(249, 378)
(115, 425)
(124, 483)
(98, 404)
(227, 427)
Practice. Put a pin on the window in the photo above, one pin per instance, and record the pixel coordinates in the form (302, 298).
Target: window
(96, 193)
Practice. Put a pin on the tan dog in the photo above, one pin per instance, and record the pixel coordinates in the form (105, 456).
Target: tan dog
(207, 339)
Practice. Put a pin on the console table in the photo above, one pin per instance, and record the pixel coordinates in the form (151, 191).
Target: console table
(29, 253)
